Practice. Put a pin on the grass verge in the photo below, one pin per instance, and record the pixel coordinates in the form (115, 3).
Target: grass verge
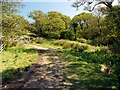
(15, 60)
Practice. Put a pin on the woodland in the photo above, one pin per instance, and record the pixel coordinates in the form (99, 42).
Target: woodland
(56, 51)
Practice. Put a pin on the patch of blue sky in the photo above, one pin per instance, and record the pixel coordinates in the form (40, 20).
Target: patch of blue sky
(63, 6)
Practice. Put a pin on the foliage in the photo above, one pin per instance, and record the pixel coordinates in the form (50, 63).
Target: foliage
(12, 24)
(90, 5)
(86, 26)
(19, 59)
(113, 25)
(40, 21)
(67, 34)
(48, 25)
(13, 27)
(11, 7)
(74, 45)
(85, 67)
(82, 60)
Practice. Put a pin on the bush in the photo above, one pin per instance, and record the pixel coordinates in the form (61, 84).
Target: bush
(39, 40)
(82, 48)
(82, 40)
(88, 42)
(71, 45)
(67, 35)
(104, 49)
(53, 36)
(115, 48)
(13, 43)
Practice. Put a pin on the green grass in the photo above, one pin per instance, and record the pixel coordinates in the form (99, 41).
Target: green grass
(45, 43)
(82, 62)
(65, 44)
(83, 69)
(15, 60)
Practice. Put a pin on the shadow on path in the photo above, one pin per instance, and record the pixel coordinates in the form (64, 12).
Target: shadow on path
(45, 73)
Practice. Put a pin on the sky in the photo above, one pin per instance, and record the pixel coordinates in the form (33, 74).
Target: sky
(63, 6)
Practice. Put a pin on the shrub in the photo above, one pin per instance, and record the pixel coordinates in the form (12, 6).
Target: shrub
(104, 49)
(13, 43)
(82, 40)
(82, 48)
(53, 35)
(71, 45)
(67, 35)
(40, 40)
(88, 42)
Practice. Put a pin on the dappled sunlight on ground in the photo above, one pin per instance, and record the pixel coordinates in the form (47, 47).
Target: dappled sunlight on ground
(62, 67)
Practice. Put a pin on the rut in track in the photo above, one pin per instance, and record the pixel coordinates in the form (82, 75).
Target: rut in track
(45, 73)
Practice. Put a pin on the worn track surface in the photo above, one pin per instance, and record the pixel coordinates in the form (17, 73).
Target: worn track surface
(45, 73)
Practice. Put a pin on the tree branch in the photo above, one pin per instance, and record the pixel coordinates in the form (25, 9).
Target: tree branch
(79, 3)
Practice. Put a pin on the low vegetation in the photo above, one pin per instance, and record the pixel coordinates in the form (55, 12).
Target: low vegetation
(15, 60)
(83, 69)
(82, 63)
(88, 44)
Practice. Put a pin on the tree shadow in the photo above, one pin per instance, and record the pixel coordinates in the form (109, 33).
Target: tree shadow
(34, 76)
(84, 71)
(30, 50)
(13, 74)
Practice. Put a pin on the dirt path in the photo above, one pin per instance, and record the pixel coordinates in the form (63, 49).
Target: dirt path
(46, 73)
(35, 47)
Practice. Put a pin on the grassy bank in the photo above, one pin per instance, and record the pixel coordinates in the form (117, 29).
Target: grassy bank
(82, 62)
(83, 69)
(15, 60)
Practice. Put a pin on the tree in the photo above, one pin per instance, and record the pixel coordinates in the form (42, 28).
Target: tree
(36, 15)
(11, 7)
(56, 24)
(13, 26)
(91, 7)
(99, 15)
(40, 19)
(62, 24)
(11, 21)
(113, 34)
(113, 27)
(84, 25)
(66, 19)
(49, 25)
